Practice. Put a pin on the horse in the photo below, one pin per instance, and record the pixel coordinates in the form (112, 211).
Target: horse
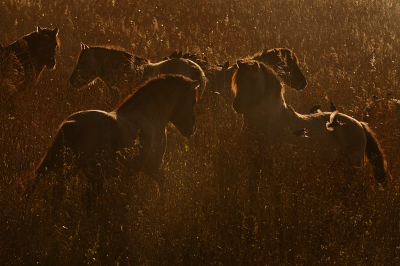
(132, 135)
(120, 69)
(282, 60)
(328, 137)
(286, 64)
(110, 64)
(35, 51)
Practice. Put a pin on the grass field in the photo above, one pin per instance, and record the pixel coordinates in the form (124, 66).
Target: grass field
(349, 52)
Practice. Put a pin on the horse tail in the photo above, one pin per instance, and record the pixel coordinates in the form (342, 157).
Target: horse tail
(375, 156)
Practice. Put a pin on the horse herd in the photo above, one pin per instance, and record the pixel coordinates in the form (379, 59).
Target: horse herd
(134, 133)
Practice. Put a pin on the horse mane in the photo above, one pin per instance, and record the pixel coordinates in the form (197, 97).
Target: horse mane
(279, 60)
(270, 76)
(119, 49)
(113, 48)
(149, 86)
(268, 71)
(200, 59)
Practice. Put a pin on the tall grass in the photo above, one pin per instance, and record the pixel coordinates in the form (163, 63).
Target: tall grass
(349, 51)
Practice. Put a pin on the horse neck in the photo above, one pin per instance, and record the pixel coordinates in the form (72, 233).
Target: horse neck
(34, 52)
(267, 116)
(149, 105)
(150, 70)
(115, 67)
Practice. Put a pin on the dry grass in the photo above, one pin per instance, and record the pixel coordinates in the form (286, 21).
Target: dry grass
(349, 51)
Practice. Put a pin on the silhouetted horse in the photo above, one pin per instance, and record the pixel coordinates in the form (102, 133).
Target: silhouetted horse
(286, 64)
(133, 135)
(282, 60)
(34, 52)
(326, 136)
(121, 69)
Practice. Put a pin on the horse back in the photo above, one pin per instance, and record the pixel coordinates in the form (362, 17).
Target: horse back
(343, 142)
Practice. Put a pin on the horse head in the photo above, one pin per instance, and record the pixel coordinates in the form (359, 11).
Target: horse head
(253, 82)
(45, 43)
(286, 64)
(183, 115)
(86, 69)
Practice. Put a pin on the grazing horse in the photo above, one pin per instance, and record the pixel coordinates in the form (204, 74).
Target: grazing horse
(118, 68)
(133, 135)
(325, 136)
(34, 52)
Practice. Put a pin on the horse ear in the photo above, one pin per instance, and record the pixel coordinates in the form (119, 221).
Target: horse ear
(239, 63)
(256, 66)
(84, 46)
(38, 29)
(55, 31)
(226, 65)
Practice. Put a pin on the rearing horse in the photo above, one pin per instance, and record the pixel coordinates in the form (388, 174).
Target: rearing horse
(330, 137)
(134, 135)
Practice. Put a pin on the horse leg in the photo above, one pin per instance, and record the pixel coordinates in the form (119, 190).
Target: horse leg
(159, 177)
(59, 188)
(95, 178)
(58, 162)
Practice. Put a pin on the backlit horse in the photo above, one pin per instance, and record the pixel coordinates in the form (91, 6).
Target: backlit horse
(34, 51)
(133, 135)
(282, 60)
(325, 136)
(118, 68)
